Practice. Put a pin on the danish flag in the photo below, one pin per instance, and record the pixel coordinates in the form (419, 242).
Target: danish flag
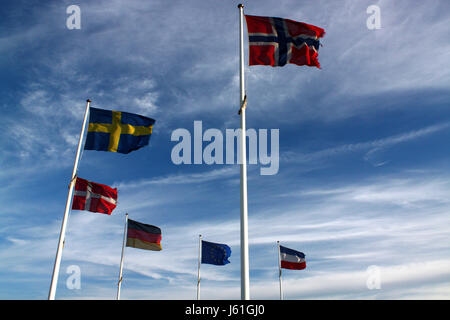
(94, 197)
(277, 41)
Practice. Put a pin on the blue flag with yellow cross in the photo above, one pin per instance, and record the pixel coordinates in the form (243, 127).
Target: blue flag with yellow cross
(117, 131)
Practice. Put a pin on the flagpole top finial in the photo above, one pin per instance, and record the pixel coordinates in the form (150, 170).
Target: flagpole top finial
(240, 5)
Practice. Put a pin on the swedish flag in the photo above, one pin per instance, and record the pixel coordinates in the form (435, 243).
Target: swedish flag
(117, 131)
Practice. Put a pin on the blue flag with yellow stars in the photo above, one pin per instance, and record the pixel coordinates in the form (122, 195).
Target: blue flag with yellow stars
(117, 131)
(215, 253)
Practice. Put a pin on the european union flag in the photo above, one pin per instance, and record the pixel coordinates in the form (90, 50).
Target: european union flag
(117, 131)
(215, 253)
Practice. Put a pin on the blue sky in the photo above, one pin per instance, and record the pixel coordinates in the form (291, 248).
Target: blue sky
(364, 156)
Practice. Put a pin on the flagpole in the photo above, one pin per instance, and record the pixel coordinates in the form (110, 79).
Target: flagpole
(279, 270)
(245, 287)
(119, 284)
(199, 263)
(56, 267)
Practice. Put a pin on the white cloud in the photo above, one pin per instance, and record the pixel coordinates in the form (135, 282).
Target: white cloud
(340, 230)
(174, 179)
(352, 284)
(369, 147)
(399, 222)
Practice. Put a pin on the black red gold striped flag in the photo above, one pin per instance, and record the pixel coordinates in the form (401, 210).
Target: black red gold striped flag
(143, 236)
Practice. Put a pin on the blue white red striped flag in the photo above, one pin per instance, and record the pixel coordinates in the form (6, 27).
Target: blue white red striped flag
(292, 259)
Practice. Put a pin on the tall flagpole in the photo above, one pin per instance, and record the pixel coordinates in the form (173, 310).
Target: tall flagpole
(199, 263)
(119, 284)
(53, 285)
(245, 287)
(279, 270)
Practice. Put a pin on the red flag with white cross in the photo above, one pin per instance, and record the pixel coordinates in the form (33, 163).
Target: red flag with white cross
(94, 197)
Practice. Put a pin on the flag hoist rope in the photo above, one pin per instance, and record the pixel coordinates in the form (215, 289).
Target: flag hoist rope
(53, 285)
(245, 286)
(125, 231)
(199, 263)
(279, 270)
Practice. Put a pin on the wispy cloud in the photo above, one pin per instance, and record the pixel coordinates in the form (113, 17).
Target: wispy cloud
(155, 59)
(369, 147)
(192, 178)
(396, 281)
(342, 231)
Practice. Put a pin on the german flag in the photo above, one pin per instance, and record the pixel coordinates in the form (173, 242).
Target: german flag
(143, 236)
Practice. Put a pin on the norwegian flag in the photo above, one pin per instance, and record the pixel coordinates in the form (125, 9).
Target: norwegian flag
(94, 197)
(277, 41)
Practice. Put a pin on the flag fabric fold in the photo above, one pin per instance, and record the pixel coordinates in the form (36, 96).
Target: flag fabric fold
(215, 253)
(292, 259)
(276, 42)
(117, 131)
(94, 197)
(143, 236)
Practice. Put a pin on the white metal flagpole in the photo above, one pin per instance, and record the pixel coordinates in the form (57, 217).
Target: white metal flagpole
(199, 263)
(52, 292)
(245, 287)
(279, 270)
(119, 284)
